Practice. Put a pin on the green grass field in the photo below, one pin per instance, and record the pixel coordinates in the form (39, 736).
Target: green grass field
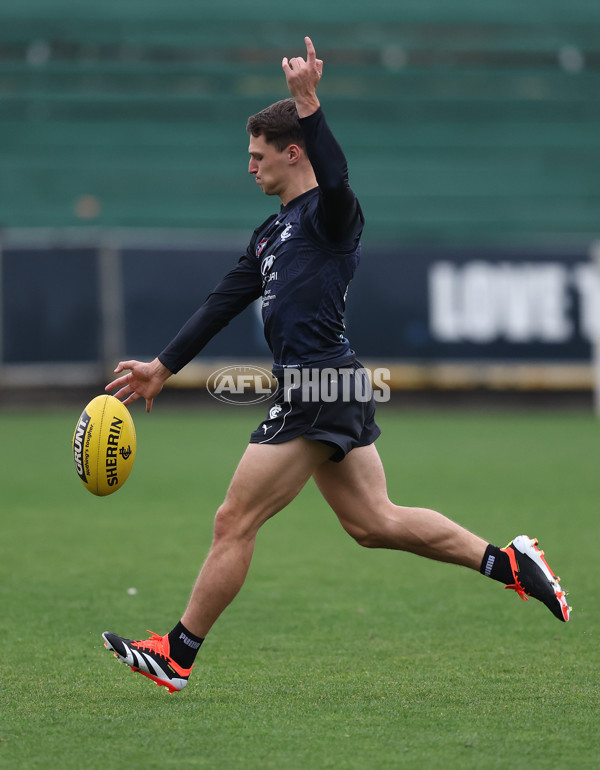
(332, 656)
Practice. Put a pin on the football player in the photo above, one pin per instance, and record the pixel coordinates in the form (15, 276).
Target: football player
(301, 261)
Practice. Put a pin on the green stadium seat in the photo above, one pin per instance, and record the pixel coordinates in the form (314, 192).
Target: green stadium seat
(465, 121)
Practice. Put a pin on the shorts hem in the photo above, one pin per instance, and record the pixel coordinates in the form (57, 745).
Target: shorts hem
(341, 449)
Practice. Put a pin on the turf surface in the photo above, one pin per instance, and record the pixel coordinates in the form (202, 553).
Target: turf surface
(332, 656)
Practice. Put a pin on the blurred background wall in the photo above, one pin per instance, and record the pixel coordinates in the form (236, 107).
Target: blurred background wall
(472, 134)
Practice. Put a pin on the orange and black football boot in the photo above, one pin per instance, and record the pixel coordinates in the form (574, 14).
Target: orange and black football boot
(533, 577)
(150, 657)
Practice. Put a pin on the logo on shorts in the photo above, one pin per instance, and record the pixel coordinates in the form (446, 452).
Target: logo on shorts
(241, 385)
(274, 411)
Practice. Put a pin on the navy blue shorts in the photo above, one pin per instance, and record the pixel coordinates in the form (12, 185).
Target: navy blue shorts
(335, 406)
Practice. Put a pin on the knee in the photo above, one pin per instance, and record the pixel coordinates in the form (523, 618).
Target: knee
(234, 521)
(227, 522)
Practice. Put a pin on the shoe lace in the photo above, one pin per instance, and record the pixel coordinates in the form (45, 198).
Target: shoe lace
(155, 644)
(516, 586)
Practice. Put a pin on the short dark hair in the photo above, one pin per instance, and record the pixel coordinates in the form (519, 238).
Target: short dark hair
(279, 124)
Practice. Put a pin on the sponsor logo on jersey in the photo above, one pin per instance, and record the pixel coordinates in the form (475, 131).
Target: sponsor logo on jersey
(260, 246)
(267, 264)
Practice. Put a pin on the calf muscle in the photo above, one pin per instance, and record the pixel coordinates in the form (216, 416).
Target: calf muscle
(356, 490)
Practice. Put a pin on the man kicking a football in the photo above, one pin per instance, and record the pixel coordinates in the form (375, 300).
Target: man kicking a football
(301, 261)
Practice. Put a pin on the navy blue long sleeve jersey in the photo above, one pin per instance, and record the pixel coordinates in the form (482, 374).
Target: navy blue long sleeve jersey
(301, 262)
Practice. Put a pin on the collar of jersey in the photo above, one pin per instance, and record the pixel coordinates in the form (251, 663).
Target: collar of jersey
(299, 199)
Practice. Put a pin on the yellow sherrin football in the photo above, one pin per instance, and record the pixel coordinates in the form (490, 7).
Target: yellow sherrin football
(104, 445)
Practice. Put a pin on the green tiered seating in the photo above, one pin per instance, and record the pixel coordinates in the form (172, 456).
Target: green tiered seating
(470, 121)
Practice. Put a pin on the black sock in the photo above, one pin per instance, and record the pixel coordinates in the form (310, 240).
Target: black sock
(496, 565)
(183, 645)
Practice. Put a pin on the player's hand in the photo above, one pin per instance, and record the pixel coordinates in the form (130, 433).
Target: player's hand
(143, 381)
(302, 78)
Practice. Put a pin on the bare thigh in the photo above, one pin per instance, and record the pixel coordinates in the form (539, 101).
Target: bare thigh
(268, 477)
(356, 489)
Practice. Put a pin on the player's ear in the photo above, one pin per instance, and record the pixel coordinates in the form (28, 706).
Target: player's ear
(294, 153)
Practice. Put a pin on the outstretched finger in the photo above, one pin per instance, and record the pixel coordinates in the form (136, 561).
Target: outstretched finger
(119, 382)
(131, 398)
(122, 365)
(125, 393)
(311, 54)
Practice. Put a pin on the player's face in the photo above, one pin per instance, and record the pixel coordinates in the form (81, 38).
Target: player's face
(269, 166)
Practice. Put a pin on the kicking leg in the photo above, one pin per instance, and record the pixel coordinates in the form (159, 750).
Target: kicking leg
(356, 489)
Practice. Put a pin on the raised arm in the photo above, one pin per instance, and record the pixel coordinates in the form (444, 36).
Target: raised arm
(339, 211)
(302, 79)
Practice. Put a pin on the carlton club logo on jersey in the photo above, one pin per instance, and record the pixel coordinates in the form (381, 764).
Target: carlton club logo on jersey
(283, 236)
(287, 231)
